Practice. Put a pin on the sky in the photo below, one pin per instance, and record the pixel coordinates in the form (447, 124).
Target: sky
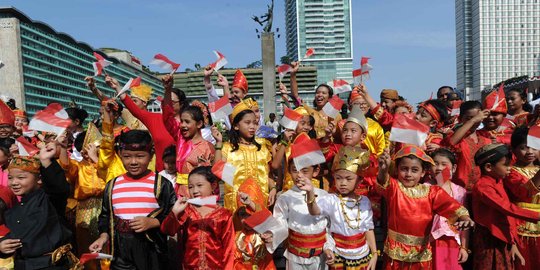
(411, 43)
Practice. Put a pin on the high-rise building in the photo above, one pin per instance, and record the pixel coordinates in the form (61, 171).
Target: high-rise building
(326, 26)
(44, 66)
(495, 40)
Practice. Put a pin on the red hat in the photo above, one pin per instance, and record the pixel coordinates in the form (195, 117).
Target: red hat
(496, 101)
(20, 113)
(240, 81)
(354, 95)
(6, 114)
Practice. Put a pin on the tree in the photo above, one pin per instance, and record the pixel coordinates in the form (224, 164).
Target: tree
(285, 59)
(197, 66)
(256, 64)
(189, 70)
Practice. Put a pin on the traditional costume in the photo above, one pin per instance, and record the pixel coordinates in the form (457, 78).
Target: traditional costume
(503, 133)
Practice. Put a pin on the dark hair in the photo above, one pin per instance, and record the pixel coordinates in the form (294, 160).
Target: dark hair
(181, 97)
(77, 114)
(136, 136)
(234, 135)
(493, 159)
(120, 109)
(519, 136)
(425, 165)
(443, 87)
(469, 105)
(195, 112)
(5, 144)
(79, 140)
(440, 108)
(444, 152)
(330, 91)
(205, 171)
(312, 133)
(170, 151)
(3, 209)
(526, 106)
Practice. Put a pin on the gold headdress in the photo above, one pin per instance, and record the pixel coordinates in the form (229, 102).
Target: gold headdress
(27, 164)
(245, 104)
(92, 135)
(142, 92)
(351, 158)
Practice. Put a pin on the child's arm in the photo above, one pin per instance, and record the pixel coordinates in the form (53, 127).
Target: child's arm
(175, 219)
(491, 197)
(462, 131)
(307, 186)
(219, 143)
(53, 179)
(464, 248)
(384, 166)
(370, 237)
(166, 201)
(277, 159)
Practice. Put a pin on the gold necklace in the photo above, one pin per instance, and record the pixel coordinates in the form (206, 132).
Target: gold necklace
(347, 219)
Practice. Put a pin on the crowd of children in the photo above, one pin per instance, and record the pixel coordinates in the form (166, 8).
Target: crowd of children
(181, 190)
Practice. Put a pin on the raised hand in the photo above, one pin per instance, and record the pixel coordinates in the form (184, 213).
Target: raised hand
(384, 161)
(90, 82)
(208, 70)
(179, 206)
(167, 81)
(217, 135)
(295, 66)
(113, 83)
(222, 81)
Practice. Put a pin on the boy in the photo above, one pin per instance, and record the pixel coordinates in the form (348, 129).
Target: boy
(133, 207)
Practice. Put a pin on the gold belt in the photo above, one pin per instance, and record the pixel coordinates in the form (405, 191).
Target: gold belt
(531, 206)
(406, 239)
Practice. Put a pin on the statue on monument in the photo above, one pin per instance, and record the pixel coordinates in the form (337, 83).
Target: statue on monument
(266, 18)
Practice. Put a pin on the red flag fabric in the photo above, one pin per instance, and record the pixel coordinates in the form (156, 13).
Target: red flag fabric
(52, 119)
(220, 62)
(290, 118)
(496, 101)
(309, 53)
(220, 109)
(306, 152)
(444, 176)
(341, 86)
(86, 257)
(100, 64)
(333, 106)
(25, 147)
(262, 221)
(456, 104)
(533, 137)
(224, 171)
(164, 62)
(283, 70)
(133, 82)
(406, 129)
(6, 114)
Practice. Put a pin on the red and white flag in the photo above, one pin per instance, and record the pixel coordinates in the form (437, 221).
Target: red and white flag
(210, 200)
(499, 98)
(309, 53)
(220, 109)
(290, 119)
(364, 65)
(444, 176)
(224, 171)
(333, 106)
(52, 119)
(456, 104)
(165, 63)
(25, 147)
(27, 132)
(533, 137)
(100, 64)
(361, 74)
(86, 257)
(262, 221)
(133, 82)
(283, 70)
(408, 130)
(220, 62)
(306, 152)
(340, 86)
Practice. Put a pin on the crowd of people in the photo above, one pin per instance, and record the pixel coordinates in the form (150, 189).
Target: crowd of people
(155, 190)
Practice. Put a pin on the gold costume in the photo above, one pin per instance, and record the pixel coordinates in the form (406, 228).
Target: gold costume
(321, 120)
(376, 141)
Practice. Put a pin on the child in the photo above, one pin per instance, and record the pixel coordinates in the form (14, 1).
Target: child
(450, 247)
(207, 232)
(519, 110)
(465, 141)
(169, 165)
(433, 114)
(133, 207)
(250, 158)
(350, 215)
(36, 224)
(495, 233)
(497, 127)
(411, 207)
(307, 234)
(525, 192)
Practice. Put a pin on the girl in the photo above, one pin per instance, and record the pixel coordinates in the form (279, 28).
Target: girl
(350, 215)
(250, 158)
(519, 110)
(433, 114)
(526, 194)
(497, 127)
(207, 231)
(450, 248)
(407, 245)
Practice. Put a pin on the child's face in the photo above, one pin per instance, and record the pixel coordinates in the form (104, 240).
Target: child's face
(303, 125)
(308, 172)
(22, 182)
(169, 164)
(247, 126)
(523, 154)
(442, 162)
(468, 115)
(410, 171)
(425, 118)
(493, 121)
(237, 94)
(514, 100)
(345, 182)
(352, 134)
(500, 169)
(199, 186)
(188, 126)
(135, 162)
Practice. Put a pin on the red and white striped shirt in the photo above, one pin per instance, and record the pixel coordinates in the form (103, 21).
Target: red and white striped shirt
(134, 197)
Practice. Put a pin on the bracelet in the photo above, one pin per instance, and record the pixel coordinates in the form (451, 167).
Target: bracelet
(466, 249)
(312, 200)
(218, 147)
(285, 143)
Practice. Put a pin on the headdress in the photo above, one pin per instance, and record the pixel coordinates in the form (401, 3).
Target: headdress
(245, 104)
(6, 114)
(491, 153)
(390, 94)
(27, 164)
(204, 110)
(142, 92)
(351, 158)
(357, 116)
(240, 81)
(413, 150)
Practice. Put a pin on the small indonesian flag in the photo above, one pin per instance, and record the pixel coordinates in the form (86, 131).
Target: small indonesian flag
(27, 132)
(358, 77)
(290, 119)
(100, 64)
(220, 62)
(309, 53)
(499, 98)
(362, 73)
(341, 86)
(220, 109)
(533, 137)
(52, 119)
(25, 147)
(407, 130)
(224, 171)
(133, 82)
(210, 200)
(262, 221)
(456, 104)
(444, 176)
(86, 257)
(364, 65)
(333, 106)
(283, 70)
(165, 63)
(306, 152)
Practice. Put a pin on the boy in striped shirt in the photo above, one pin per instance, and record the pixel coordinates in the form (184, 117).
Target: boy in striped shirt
(134, 204)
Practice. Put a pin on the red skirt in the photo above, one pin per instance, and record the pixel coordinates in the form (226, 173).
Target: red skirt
(530, 249)
(490, 253)
(445, 254)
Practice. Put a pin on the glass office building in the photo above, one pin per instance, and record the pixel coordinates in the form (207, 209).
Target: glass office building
(44, 66)
(326, 26)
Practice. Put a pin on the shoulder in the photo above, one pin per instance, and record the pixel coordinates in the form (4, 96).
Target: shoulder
(320, 192)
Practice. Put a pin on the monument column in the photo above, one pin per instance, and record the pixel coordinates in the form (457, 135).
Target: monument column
(269, 73)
